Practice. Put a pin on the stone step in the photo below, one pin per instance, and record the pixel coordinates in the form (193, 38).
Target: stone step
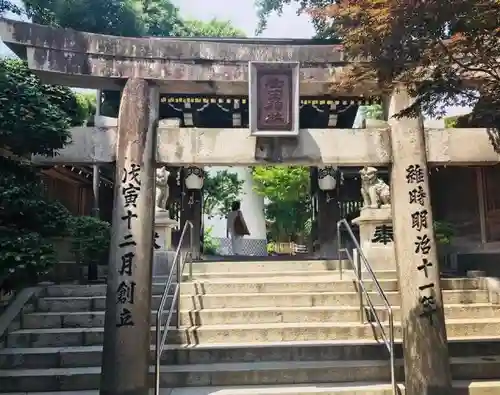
(265, 266)
(309, 284)
(475, 387)
(467, 387)
(249, 333)
(76, 290)
(318, 314)
(242, 300)
(232, 374)
(287, 273)
(275, 284)
(306, 299)
(88, 356)
(256, 314)
(380, 274)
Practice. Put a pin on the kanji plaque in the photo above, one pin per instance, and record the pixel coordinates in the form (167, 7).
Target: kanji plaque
(274, 98)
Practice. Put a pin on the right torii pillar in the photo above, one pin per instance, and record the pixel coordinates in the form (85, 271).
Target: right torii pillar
(425, 348)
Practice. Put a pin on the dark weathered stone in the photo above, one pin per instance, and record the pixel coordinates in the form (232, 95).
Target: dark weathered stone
(196, 65)
(233, 50)
(128, 299)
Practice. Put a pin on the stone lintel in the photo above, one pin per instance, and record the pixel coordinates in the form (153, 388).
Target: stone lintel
(344, 147)
(200, 66)
(238, 50)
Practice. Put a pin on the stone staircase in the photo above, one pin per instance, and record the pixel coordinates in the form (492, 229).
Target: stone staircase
(252, 328)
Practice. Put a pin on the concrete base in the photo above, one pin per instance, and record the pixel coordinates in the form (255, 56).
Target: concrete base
(376, 237)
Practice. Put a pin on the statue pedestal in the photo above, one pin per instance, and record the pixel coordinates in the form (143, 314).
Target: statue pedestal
(163, 256)
(163, 227)
(377, 238)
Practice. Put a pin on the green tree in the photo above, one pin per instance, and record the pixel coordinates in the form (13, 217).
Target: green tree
(219, 191)
(288, 207)
(213, 28)
(265, 8)
(32, 122)
(8, 6)
(161, 18)
(402, 40)
(118, 17)
(87, 106)
(124, 18)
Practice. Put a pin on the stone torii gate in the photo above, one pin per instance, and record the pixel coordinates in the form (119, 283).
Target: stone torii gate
(146, 67)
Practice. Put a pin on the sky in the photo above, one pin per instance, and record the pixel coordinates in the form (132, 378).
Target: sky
(243, 16)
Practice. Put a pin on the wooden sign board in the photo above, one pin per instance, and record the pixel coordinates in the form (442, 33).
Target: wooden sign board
(274, 100)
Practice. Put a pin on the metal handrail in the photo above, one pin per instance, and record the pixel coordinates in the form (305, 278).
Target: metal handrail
(389, 341)
(178, 267)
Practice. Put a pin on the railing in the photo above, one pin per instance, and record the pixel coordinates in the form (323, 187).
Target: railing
(178, 267)
(355, 259)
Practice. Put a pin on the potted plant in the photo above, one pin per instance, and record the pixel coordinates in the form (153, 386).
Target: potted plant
(374, 116)
(90, 239)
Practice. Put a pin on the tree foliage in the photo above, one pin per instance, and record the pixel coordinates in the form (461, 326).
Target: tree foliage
(265, 8)
(27, 222)
(124, 18)
(35, 119)
(86, 106)
(219, 191)
(32, 121)
(90, 239)
(120, 17)
(9, 6)
(288, 202)
(374, 111)
(213, 28)
(436, 49)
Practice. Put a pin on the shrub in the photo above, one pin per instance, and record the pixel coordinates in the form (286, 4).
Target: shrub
(90, 240)
(210, 244)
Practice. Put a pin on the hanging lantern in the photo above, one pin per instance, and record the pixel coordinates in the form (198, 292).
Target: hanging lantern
(327, 178)
(193, 177)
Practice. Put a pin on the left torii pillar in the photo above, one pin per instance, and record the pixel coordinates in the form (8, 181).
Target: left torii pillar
(127, 333)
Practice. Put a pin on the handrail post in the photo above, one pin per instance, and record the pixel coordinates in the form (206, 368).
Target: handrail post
(339, 246)
(158, 350)
(177, 302)
(392, 356)
(357, 264)
(191, 246)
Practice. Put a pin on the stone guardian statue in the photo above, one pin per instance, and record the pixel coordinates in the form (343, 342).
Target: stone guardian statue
(162, 175)
(374, 190)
